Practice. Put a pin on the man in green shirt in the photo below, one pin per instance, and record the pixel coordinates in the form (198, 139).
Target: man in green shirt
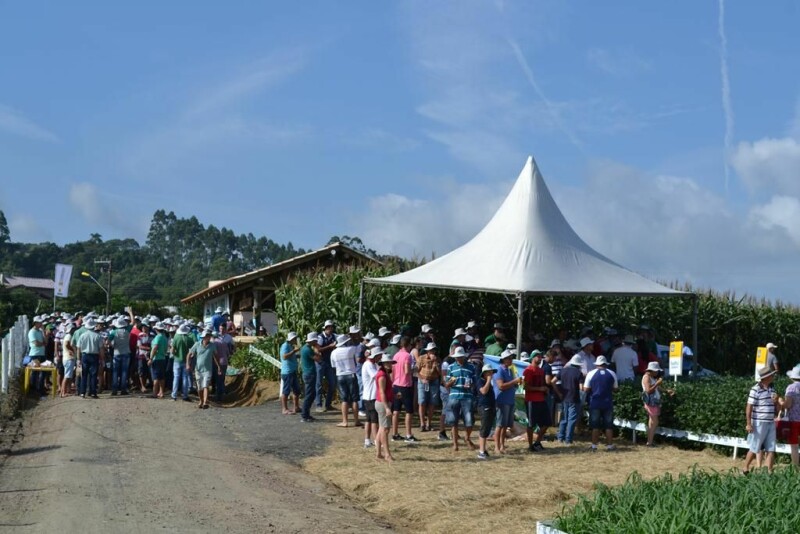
(181, 345)
(309, 356)
(495, 343)
(204, 352)
(158, 359)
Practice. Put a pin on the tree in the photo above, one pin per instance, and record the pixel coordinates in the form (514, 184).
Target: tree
(5, 235)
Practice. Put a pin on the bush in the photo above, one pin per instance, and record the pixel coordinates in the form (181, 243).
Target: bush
(254, 364)
(694, 502)
(710, 406)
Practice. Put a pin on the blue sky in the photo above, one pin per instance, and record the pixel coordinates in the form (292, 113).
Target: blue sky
(406, 123)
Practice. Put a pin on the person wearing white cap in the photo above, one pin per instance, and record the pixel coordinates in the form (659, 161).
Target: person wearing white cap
(182, 343)
(599, 386)
(486, 408)
(225, 349)
(119, 339)
(158, 359)
(586, 355)
(345, 362)
(69, 359)
(772, 359)
(309, 357)
(392, 346)
(202, 354)
(760, 415)
(403, 384)
(625, 359)
(384, 396)
(217, 319)
(505, 387)
(571, 380)
(36, 350)
(459, 404)
(368, 373)
(459, 340)
(325, 372)
(538, 412)
(289, 382)
(430, 373)
(91, 348)
(791, 403)
(651, 396)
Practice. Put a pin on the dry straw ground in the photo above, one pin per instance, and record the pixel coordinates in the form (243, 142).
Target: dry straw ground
(431, 489)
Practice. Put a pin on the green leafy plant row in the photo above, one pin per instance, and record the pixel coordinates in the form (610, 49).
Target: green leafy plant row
(693, 502)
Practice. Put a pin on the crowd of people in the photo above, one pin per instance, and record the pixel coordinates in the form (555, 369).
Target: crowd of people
(127, 353)
(381, 377)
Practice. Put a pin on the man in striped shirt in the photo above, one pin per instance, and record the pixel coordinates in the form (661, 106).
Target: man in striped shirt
(760, 414)
(459, 403)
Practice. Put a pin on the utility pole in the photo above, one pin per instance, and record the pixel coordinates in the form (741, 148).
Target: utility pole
(108, 288)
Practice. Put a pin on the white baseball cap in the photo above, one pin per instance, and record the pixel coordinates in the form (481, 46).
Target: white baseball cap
(771, 346)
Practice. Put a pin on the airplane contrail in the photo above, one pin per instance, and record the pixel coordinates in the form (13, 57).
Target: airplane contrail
(727, 108)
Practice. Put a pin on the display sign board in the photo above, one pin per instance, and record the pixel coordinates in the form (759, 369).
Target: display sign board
(761, 359)
(676, 358)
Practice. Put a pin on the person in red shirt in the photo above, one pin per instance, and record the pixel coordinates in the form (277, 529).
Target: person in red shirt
(536, 402)
(384, 396)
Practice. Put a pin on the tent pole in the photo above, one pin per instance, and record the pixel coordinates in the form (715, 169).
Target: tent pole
(695, 348)
(520, 311)
(360, 302)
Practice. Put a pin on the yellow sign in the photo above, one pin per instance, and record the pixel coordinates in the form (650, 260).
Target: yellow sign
(676, 358)
(761, 359)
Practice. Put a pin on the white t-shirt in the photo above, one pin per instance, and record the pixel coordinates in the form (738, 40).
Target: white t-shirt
(67, 354)
(626, 360)
(344, 360)
(587, 362)
(597, 370)
(368, 372)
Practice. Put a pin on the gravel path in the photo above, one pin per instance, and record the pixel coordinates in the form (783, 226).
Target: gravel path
(133, 464)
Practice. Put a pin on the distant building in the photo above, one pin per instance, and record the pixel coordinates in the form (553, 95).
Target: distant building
(253, 293)
(41, 286)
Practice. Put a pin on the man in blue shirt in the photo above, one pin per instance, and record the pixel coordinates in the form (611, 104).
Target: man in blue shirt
(505, 386)
(600, 384)
(289, 382)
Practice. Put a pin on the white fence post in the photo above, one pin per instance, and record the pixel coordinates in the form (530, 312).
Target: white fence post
(4, 365)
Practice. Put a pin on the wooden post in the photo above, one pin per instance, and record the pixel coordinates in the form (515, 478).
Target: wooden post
(520, 311)
(256, 312)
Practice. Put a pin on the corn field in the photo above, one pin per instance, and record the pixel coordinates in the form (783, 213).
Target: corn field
(729, 328)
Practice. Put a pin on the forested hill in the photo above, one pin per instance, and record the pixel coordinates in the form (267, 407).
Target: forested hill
(178, 258)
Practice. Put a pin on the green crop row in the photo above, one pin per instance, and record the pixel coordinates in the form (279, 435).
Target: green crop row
(693, 502)
(729, 329)
(711, 406)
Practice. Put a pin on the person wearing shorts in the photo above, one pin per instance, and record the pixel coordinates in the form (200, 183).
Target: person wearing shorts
(383, 407)
(459, 404)
(486, 409)
(368, 373)
(430, 373)
(204, 353)
(69, 359)
(403, 385)
(505, 387)
(791, 403)
(344, 359)
(760, 414)
(599, 386)
(536, 408)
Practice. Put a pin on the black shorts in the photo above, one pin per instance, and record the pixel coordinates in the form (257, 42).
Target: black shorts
(403, 398)
(538, 414)
(487, 421)
(369, 409)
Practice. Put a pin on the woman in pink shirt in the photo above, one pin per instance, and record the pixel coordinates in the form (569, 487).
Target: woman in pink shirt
(384, 396)
(403, 391)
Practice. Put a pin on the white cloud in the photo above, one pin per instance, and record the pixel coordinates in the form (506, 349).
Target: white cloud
(780, 212)
(102, 210)
(15, 123)
(771, 165)
(618, 62)
(26, 228)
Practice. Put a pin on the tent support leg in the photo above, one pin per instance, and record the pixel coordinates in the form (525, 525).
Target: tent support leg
(520, 311)
(360, 302)
(695, 348)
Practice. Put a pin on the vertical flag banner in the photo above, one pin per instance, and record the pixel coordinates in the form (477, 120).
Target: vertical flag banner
(761, 359)
(63, 276)
(676, 358)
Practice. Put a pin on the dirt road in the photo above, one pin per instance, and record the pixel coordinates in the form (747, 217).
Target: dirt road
(133, 464)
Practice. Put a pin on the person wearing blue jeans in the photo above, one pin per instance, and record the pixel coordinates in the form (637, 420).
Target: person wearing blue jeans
(571, 379)
(180, 379)
(325, 371)
(308, 358)
(119, 381)
(89, 364)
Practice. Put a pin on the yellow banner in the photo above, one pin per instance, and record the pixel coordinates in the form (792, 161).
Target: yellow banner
(761, 356)
(676, 358)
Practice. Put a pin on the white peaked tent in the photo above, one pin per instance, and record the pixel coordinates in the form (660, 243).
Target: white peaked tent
(529, 248)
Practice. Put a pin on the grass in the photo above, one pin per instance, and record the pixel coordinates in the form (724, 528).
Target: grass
(431, 489)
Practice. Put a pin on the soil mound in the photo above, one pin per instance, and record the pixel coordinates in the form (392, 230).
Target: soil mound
(244, 390)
